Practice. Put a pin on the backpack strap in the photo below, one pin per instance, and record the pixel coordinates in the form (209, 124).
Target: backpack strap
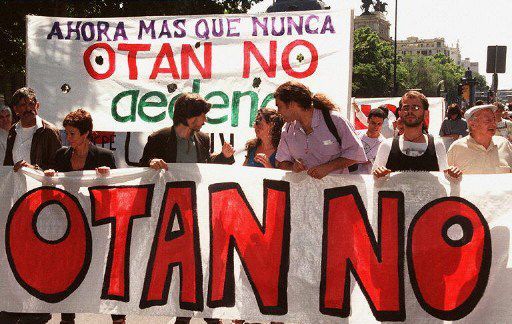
(330, 125)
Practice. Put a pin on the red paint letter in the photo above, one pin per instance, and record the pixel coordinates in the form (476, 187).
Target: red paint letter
(264, 250)
(119, 206)
(349, 246)
(268, 67)
(166, 51)
(188, 54)
(449, 276)
(175, 248)
(132, 50)
(48, 270)
(285, 59)
(111, 61)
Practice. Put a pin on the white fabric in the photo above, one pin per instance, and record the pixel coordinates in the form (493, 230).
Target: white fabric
(23, 141)
(486, 193)
(53, 62)
(3, 144)
(410, 149)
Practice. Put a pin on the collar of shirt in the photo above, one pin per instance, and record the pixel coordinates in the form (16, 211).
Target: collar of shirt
(39, 124)
(472, 143)
(315, 121)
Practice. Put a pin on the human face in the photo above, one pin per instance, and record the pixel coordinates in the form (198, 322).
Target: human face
(483, 123)
(74, 138)
(5, 120)
(26, 109)
(285, 110)
(195, 123)
(375, 125)
(412, 112)
(262, 127)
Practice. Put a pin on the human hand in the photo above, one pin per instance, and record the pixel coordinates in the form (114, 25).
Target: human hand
(49, 173)
(355, 106)
(453, 172)
(298, 166)
(103, 170)
(319, 171)
(158, 164)
(381, 172)
(263, 159)
(227, 150)
(18, 165)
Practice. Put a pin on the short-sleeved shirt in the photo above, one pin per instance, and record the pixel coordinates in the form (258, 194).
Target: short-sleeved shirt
(504, 128)
(471, 157)
(23, 142)
(320, 146)
(371, 146)
(451, 127)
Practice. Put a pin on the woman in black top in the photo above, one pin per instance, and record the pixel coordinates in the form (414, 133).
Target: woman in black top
(82, 155)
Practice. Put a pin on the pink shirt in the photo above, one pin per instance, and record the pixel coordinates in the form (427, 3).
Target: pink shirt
(320, 146)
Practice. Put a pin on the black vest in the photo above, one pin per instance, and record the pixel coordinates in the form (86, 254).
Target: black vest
(398, 161)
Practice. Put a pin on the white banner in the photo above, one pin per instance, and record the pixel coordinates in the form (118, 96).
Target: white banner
(128, 72)
(436, 110)
(236, 242)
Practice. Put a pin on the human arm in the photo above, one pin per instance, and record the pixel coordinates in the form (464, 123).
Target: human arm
(324, 169)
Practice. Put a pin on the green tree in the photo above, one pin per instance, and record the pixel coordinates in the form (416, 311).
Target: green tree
(12, 22)
(372, 65)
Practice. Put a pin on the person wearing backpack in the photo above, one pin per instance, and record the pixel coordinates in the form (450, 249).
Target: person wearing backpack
(315, 138)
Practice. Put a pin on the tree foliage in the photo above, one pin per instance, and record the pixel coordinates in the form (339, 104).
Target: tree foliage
(373, 70)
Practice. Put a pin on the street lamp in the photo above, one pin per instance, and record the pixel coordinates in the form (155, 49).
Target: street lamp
(395, 85)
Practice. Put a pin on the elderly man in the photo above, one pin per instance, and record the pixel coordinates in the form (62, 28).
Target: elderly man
(481, 151)
(413, 150)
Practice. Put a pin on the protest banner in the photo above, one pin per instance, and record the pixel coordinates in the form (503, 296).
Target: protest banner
(436, 110)
(258, 244)
(128, 72)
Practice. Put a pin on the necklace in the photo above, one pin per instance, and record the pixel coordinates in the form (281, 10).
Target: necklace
(414, 139)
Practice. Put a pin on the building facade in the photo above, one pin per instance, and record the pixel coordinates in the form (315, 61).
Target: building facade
(433, 46)
(472, 66)
(376, 21)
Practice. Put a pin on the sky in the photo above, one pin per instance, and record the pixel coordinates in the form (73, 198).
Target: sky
(476, 24)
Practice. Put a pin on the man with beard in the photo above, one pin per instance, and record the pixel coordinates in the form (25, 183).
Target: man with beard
(413, 150)
(183, 142)
(481, 151)
(32, 141)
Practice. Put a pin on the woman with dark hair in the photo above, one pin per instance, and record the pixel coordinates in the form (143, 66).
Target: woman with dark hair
(261, 151)
(82, 155)
(454, 126)
(316, 137)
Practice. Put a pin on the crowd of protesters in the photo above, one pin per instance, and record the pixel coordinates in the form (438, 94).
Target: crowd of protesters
(306, 133)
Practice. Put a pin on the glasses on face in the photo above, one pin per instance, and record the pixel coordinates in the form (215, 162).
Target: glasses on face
(411, 107)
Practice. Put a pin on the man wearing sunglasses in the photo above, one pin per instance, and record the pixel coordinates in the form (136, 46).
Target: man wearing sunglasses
(413, 150)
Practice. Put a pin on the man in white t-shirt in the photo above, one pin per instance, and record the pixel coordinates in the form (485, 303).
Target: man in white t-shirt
(414, 150)
(32, 141)
(371, 139)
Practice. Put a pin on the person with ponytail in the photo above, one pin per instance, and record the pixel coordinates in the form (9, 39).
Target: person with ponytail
(316, 137)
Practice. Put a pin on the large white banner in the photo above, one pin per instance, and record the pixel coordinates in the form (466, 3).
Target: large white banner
(128, 72)
(238, 242)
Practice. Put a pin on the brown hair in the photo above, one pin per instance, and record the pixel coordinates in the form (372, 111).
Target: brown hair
(454, 109)
(23, 93)
(187, 106)
(80, 119)
(299, 93)
(276, 121)
(416, 95)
